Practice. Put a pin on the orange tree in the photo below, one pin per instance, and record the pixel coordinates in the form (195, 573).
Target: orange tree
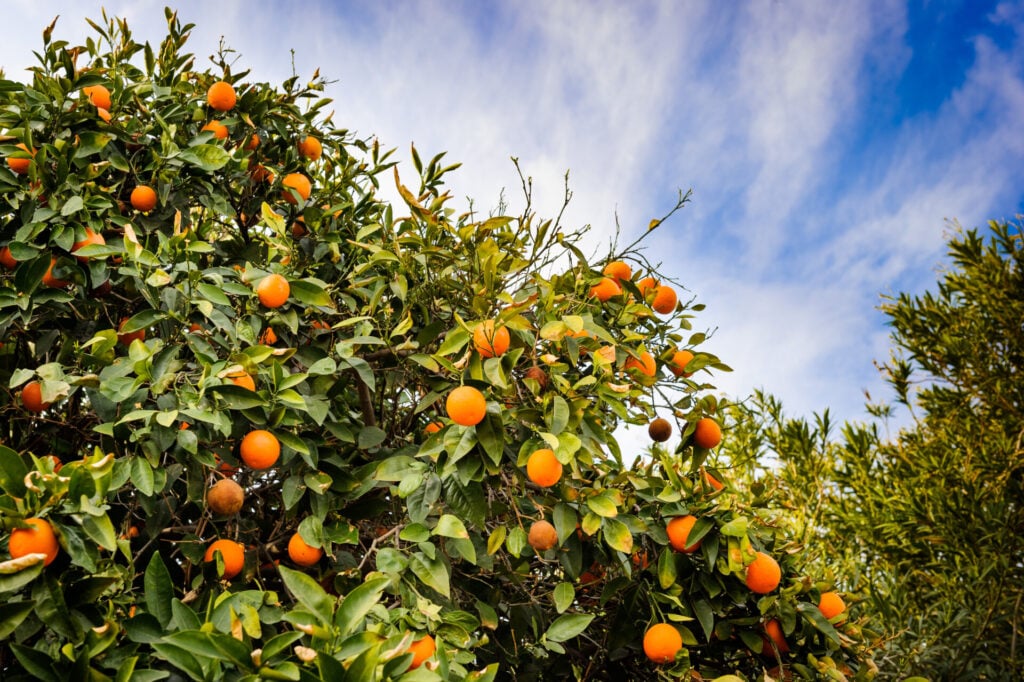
(201, 284)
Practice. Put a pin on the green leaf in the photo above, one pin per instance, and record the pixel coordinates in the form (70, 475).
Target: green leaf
(705, 616)
(11, 615)
(213, 645)
(158, 590)
(558, 417)
(358, 603)
(563, 595)
(36, 663)
(90, 142)
(208, 157)
(667, 572)
(308, 593)
(617, 535)
(568, 626)
(451, 527)
(74, 204)
(16, 573)
(603, 504)
(101, 531)
(142, 475)
(431, 572)
(310, 293)
(12, 472)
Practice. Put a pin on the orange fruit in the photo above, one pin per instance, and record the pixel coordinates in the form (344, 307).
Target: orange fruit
(708, 433)
(712, 481)
(232, 553)
(103, 114)
(466, 406)
(774, 630)
(764, 574)
(542, 536)
(645, 364)
(273, 290)
(126, 338)
(617, 270)
(98, 95)
(260, 449)
(253, 143)
(310, 147)
(678, 530)
(303, 554)
(677, 365)
(38, 538)
(58, 464)
(543, 468)
(538, 375)
(607, 353)
(20, 165)
(298, 182)
(51, 281)
(422, 649)
(221, 96)
(260, 173)
(225, 497)
(490, 342)
(32, 397)
(244, 380)
(433, 427)
(662, 642)
(90, 238)
(219, 130)
(664, 299)
(143, 198)
(831, 605)
(660, 430)
(268, 337)
(6, 259)
(645, 285)
(605, 289)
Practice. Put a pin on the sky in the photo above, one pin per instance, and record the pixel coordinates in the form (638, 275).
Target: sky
(828, 144)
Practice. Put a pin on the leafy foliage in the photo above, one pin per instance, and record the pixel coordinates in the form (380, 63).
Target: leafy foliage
(924, 529)
(141, 348)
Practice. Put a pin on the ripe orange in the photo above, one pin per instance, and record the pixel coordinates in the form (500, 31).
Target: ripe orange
(90, 238)
(32, 397)
(708, 433)
(225, 497)
(543, 468)
(6, 259)
(273, 290)
(617, 270)
(298, 182)
(713, 482)
(645, 285)
(664, 299)
(433, 427)
(542, 536)
(260, 449)
(232, 553)
(764, 574)
(310, 147)
(303, 554)
(103, 114)
(38, 538)
(677, 365)
(662, 642)
(51, 281)
(143, 198)
(466, 406)
(244, 380)
(605, 289)
(774, 630)
(221, 96)
(831, 605)
(490, 342)
(422, 649)
(126, 338)
(253, 143)
(268, 337)
(260, 173)
(645, 364)
(660, 430)
(678, 530)
(98, 95)
(20, 166)
(219, 130)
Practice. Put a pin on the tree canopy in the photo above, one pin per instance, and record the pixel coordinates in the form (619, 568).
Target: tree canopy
(262, 423)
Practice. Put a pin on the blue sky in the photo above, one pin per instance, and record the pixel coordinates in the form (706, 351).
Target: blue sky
(827, 143)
